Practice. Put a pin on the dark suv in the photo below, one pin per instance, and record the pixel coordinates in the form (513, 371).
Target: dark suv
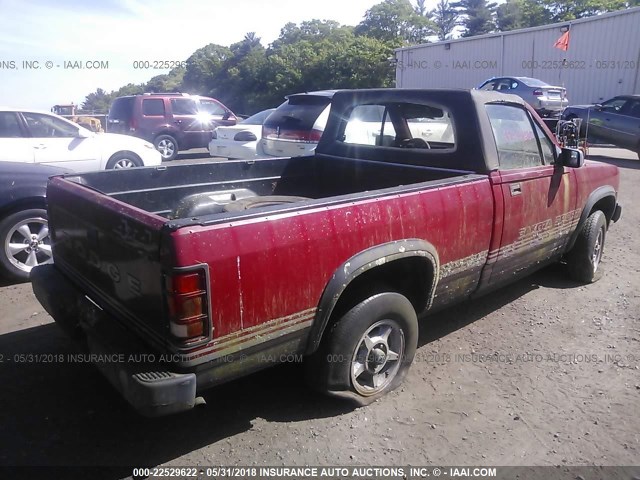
(171, 121)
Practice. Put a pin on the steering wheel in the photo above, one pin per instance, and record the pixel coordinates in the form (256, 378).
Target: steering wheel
(415, 143)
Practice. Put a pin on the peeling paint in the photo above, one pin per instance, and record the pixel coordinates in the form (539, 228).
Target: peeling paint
(240, 294)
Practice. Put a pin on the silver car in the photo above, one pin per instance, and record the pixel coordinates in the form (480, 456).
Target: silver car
(547, 100)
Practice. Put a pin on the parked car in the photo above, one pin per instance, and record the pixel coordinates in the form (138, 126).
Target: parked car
(296, 126)
(547, 100)
(173, 122)
(30, 136)
(616, 121)
(240, 140)
(24, 233)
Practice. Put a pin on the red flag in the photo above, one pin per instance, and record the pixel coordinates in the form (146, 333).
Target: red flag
(563, 42)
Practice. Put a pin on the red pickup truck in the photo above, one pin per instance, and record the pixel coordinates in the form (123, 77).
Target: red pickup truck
(180, 278)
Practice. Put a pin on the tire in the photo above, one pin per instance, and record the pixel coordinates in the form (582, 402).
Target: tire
(123, 160)
(583, 261)
(167, 146)
(24, 243)
(368, 351)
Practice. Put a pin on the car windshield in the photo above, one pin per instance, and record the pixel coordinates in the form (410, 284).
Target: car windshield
(258, 118)
(299, 112)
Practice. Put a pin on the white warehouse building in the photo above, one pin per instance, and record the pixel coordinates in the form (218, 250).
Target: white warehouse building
(602, 59)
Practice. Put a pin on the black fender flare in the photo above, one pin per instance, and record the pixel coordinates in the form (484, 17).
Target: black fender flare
(364, 261)
(595, 196)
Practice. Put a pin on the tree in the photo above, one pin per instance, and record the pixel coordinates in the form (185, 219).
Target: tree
(445, 19)
(477, 16)
(561, 11)
(521, 14)
(395, 22)
(203, 66)
(98, 102)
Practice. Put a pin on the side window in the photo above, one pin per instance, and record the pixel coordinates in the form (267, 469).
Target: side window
(211, 107)
(515, 137)
(369, 125)
(614, 105)
(504, 84)
(152, 107)
(488, 86)
(183, 106)
(634, 110)
(9, 126)
(41, 125)
(547, 146)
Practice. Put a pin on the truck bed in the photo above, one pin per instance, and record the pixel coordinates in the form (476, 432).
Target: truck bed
(201, 190)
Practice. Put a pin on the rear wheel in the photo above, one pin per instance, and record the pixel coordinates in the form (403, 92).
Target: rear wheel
(25, 241)
(167, 146)
(583, 261)
(124, 160)
(368, 351)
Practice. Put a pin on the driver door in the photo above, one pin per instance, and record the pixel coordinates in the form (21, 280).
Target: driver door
(56, 142)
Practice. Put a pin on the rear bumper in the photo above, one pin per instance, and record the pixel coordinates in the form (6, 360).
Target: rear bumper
(129, 365)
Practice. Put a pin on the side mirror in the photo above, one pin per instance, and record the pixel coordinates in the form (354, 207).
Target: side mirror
(598, 106)
(226, 115)
(570, 157)
(82, 133)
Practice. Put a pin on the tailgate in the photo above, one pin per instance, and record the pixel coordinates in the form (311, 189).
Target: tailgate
(111, 250)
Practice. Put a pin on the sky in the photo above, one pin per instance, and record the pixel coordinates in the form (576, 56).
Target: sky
(42, 42)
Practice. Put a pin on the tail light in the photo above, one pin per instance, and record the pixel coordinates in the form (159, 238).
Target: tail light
(133, 125)
(245, 137)
(188, 305)
(315, 135)
(538, 92)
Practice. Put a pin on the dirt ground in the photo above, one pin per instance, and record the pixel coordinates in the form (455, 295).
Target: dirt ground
(544, 372)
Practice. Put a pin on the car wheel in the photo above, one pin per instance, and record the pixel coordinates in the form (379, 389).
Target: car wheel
(167, 146)
(368, 351)
(25, 243)
(583, 261)
(124, 160)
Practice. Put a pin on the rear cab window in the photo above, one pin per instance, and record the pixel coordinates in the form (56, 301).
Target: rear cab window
(399, 125)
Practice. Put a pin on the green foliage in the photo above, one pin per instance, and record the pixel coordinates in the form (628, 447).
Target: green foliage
(561, 11)
(445, 19)
(395, 22)
(477, 16)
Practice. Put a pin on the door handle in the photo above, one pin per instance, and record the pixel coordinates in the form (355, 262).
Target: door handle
(177, 121)
(516, 189)
(40, 146)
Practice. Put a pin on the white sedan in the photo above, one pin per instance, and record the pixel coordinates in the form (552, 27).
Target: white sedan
(40, 137)
(240, 140)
